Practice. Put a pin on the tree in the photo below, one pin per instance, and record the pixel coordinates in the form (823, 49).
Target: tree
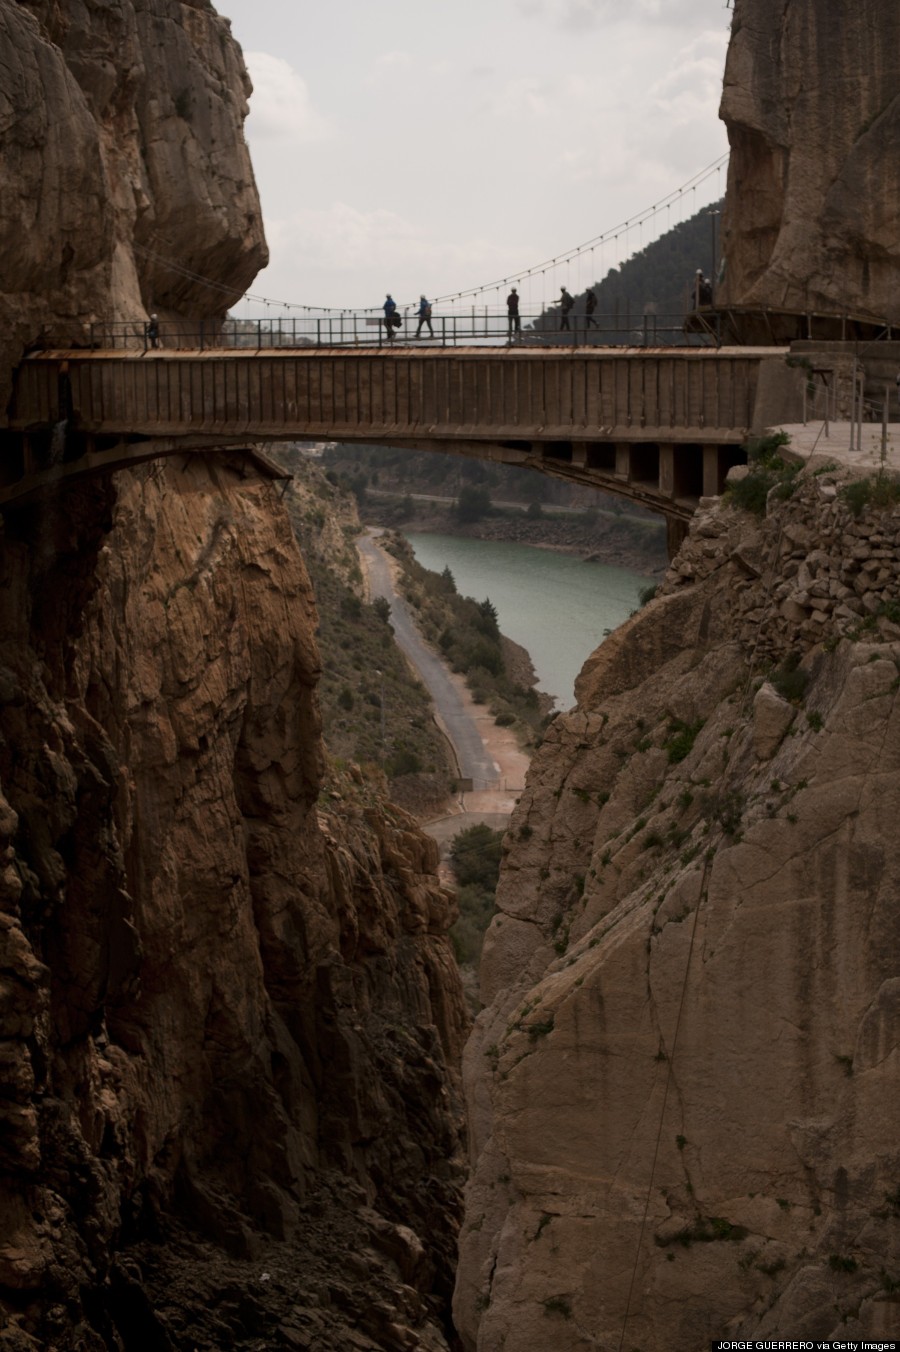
(475, 854)
(472, 504)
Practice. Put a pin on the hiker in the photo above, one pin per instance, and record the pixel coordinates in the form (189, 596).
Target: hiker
(391, 318)
(590, 306)
(424, 313)
(512, 309)
(151, 331)
(703, 292)
(565, 304)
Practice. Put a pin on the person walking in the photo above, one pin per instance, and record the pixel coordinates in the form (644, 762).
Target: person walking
(703, 292)
(151, 331)
(424, 313)
(514, 323)
(391, 318)
(590, 306)
(565, 304)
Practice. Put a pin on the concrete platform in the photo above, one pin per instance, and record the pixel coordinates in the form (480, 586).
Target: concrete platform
(810, 438)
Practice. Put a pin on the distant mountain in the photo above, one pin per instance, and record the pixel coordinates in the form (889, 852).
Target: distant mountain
(655, 283)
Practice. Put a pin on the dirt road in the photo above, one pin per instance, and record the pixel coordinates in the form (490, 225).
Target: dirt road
(490, 756)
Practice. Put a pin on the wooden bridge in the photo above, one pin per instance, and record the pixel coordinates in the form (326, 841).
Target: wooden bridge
(661, 427)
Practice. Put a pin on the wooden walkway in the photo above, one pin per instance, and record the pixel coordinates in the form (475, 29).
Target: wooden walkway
(659, 426)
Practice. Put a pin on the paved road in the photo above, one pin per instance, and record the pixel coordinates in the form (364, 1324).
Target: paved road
(473, 759)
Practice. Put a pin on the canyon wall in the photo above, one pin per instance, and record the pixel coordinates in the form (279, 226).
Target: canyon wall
(682, 1091)
(228, 1011)
(812, 214)
(127, 179)
(230, 1019)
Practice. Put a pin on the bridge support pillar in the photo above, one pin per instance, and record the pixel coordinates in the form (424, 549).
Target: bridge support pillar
(711, 485)
(579, 454)
(667, 469)
(623, 460)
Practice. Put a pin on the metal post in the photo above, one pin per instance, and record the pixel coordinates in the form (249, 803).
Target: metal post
(884, 423)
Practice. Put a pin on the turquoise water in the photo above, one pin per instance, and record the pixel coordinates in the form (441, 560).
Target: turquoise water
(555, 605)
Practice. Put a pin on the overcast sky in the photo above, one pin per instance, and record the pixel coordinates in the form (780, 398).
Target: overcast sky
(433, 145)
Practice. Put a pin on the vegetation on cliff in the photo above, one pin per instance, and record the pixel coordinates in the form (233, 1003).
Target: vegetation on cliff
(466, 632)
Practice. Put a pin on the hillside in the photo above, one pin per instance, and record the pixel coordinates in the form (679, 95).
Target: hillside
(656, 282)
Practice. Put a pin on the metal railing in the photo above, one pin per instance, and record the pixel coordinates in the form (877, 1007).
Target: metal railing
(479, 326)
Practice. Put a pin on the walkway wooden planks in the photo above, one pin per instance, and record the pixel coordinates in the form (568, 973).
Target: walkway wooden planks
(620, 394)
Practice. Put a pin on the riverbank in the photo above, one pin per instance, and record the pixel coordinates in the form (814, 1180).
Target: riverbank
(623, 540)
(494, 798)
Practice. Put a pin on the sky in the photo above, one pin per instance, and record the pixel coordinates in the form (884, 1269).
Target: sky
(429, 146)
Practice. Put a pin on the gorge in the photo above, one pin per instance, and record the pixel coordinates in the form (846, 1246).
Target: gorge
(231, 1026)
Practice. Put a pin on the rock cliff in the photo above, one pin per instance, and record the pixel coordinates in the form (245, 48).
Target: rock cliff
(812, 218)
(126, 175)
(682, 1091)
(228, 1013)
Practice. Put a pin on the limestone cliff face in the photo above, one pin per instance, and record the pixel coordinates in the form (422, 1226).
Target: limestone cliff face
(812, 214)
(228, 1013)
(123, 152)
(683, 1089)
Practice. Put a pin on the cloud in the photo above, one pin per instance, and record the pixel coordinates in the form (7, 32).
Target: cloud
(281, 108)
(580, 16)
(689, 92)
(351, 253)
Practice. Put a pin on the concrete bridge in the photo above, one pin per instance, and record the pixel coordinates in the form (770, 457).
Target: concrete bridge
(661, 427)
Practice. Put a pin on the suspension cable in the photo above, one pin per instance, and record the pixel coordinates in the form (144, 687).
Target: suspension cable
(568, 255)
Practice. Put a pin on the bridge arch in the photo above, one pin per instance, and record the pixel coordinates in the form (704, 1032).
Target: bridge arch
(661, 427)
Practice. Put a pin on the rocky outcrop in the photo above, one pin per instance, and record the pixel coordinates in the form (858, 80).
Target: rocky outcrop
(229, 1012)
(811, 218)
(127, 178)
(682, 1088)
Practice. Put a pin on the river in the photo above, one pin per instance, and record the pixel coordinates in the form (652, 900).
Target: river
(556, 606)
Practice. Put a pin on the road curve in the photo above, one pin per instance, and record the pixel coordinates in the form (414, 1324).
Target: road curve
(473, 759)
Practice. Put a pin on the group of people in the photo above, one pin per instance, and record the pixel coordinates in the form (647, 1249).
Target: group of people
(566, 304)
(703, 295)
(392, 320)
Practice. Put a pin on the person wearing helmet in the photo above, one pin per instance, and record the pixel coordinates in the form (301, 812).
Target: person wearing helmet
(703, 292)
(565, 304)
(151, 331)
(424, 314)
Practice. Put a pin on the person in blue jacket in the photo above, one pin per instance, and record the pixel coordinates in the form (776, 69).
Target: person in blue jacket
(424, 313)
(391, 318)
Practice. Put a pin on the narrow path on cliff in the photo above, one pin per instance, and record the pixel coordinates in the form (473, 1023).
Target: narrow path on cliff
(490, 756)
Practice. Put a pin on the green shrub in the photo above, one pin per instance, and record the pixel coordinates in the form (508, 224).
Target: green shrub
(475, 855)
(883, 490)
(767, 470)
(790, 680)
(682, 736)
